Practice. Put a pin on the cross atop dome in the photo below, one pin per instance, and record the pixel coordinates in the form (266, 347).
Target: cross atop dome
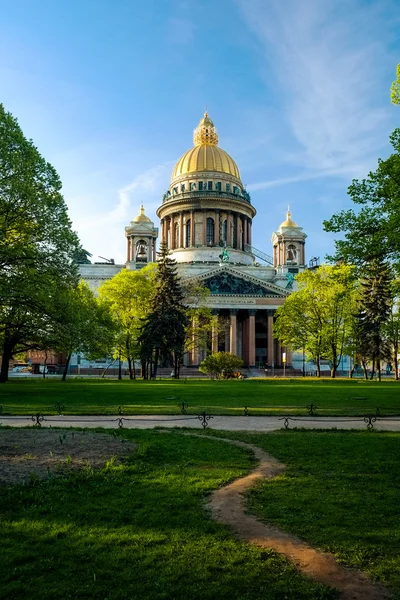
(205, 132)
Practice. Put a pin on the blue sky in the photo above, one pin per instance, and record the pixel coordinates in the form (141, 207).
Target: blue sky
(110, 92)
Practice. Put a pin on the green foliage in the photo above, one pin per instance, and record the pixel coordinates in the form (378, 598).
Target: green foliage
(164, 331)
(139, 530)
(318, 317)
(37, 245)
(376, 304)
(129, 295)
(373, 231)
(395, 88)
(221, 365)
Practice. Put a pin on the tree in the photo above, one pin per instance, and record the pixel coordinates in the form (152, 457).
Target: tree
(221, 365)
(164, 331)
(376, 303)
(129, 295)
(37, 244)
(395, 88)
(317, 318)
(372, 232)
(85, 325)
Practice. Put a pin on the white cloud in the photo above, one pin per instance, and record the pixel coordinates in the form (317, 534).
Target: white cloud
(327, 61)
(102, 233)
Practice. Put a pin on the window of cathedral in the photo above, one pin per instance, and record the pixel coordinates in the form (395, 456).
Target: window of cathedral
(224, 230)
(228, 187)
(175, 190)
(201, 185)
(291, 254)
(210, 231)
(210, 186)
(192, 186)
(187, 242)
(218, 186)
(235, 189)
(182, 187)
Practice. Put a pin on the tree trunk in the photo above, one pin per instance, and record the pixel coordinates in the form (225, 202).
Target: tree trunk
(45, 365)
(119, 367)
(378, 367)
(107, 367)
(364, 366)
(5, 363)
(351, 372)
(156, 357)
(372, 370)
(396, 364)
(130, 367)
(64, 377)
(144, 369)
(318, 367)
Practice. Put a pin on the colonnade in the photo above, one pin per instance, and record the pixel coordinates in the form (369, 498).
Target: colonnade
(188, 229)
(247, 333)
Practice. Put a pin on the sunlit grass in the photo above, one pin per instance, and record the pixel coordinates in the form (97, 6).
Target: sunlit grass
(138, 531)
(262, 397)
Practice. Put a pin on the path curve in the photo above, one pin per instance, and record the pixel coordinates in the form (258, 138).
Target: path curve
(228, 506)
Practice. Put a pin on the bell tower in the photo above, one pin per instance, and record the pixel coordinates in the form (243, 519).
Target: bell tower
(289, 245)
(141, 236)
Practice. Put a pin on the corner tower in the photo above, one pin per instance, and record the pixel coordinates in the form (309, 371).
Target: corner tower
(289, 245)
(206, 207)
(141, 236)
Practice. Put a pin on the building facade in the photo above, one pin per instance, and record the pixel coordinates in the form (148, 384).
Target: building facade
(206, 219)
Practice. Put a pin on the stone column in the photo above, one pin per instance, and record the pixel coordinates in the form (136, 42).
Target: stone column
(192, 228)
(181, 231)
(233, 331)
(271, 355)
(244, 231)
(249, 233)
(216, 228)
(214, 333)
(228, 229)
(252, 338)
(205, 228)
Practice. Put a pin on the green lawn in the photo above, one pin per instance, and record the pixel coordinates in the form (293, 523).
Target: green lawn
(138, 531)
(268, 396)
(340, 492)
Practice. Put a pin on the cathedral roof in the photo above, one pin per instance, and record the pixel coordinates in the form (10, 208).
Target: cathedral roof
(206, 155)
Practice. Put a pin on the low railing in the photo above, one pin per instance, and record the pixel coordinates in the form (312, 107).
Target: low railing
(207, 194)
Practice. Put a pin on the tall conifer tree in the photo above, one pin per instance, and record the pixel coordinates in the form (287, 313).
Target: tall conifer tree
(164, 331)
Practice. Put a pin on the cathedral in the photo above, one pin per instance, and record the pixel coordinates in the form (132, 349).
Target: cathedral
(206, 218)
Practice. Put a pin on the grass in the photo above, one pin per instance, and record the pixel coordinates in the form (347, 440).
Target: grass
(340, 492)
(138, 531)
(263, 397)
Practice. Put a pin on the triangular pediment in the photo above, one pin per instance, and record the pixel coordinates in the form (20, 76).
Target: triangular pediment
(228, 281)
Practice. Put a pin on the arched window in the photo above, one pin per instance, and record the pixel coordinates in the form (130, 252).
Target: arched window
(187, 241)
(210, 231)
(141, 251)
(176, 235)
(291, 254)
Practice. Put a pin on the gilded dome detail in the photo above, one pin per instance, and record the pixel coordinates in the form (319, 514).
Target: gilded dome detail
(205, 156)
(141, 218)
(288, 222)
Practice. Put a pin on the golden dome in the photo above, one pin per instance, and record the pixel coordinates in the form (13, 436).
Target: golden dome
(206, 155)
(288, 222)
(142, 217)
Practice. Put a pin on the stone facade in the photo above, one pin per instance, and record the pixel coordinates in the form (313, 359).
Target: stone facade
(206, 219)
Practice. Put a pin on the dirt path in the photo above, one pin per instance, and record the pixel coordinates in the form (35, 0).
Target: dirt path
(228, 506)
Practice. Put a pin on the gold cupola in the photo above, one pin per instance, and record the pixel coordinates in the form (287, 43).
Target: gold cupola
(141, 217)
(205, 156)
(288, 222)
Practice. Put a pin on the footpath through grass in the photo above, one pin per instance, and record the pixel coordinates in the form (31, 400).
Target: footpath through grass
(262, 397)
(340, 492)
(138, 531)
